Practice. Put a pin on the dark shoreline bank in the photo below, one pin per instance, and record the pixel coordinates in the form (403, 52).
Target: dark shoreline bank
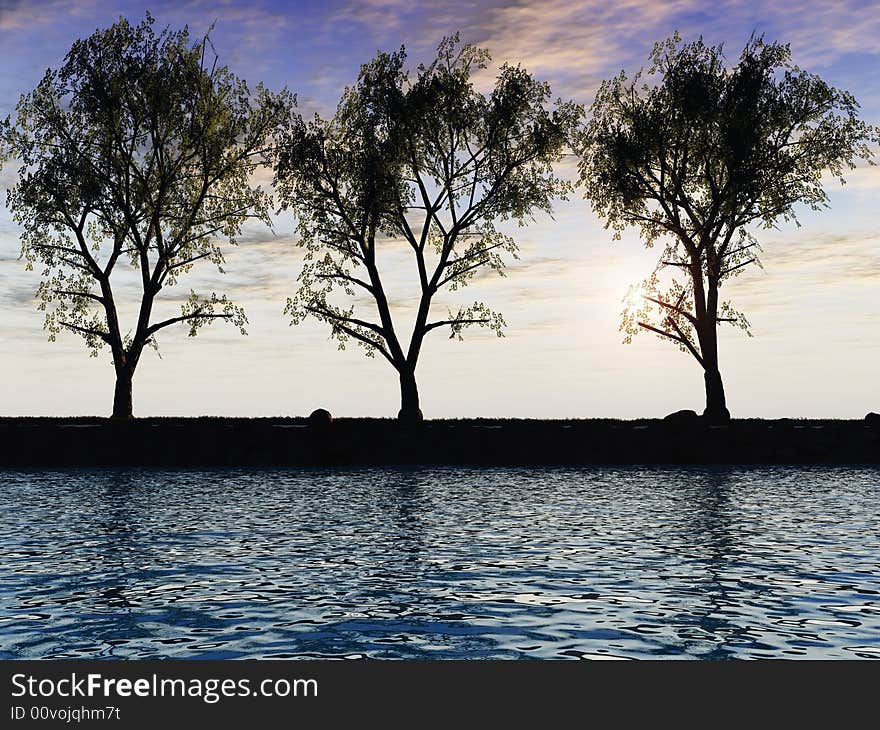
(161, 442)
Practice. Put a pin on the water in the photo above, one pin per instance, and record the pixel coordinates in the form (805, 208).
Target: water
(441, 563)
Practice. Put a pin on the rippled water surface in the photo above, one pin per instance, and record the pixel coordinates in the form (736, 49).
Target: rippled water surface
(441, 563)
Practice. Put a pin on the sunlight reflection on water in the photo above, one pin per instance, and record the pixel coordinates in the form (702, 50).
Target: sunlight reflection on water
(596, 563)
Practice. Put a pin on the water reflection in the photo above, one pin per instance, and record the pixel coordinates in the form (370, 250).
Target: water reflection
(493, 563)
(709, 628)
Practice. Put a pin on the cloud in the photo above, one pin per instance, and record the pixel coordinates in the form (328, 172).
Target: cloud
(865, 178)
(827, 257)
(577, 44)
(23, 14)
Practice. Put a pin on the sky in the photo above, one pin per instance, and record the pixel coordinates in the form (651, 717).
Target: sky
(814, 307)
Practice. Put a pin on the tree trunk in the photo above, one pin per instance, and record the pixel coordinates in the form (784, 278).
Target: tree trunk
(716, 405)
(122, 396)
(409, 398)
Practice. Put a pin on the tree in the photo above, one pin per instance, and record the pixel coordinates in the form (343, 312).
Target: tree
(700, 158)
(136, 154)
(430, 164)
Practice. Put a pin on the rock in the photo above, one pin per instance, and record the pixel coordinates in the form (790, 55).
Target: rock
(320, 418)
(873, 420)
(682, 418)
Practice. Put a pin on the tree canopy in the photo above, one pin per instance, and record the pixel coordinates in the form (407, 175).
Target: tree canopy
(428, 162)
(136, 153)
(699, 153)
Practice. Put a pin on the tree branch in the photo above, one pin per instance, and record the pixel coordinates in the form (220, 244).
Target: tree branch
(88, 295)
(678, 338)
(87, 331)
(341, 275)
(152, 329)
(738, 266)
(675, 308)
(340, 318)
(460, 272)
(445, 322)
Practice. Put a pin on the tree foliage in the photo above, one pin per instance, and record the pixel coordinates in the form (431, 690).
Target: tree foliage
(429, 162)
(136, 153)
(700, 154)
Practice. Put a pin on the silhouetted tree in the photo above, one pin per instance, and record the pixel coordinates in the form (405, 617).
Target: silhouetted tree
(699, 156)
(430, 162)
(137, 153)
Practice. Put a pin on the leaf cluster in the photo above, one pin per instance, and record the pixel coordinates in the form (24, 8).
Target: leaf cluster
(425, 160)
(700, 153)
(138, 150)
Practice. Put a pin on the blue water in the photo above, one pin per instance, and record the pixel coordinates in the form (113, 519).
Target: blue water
(441, 563)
